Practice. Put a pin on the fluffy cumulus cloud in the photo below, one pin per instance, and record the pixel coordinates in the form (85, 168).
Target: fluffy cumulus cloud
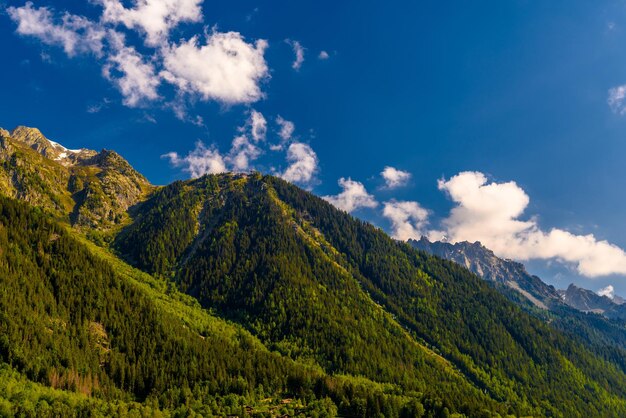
(75, 34)
(395, 178)
(353, 196)
(247, 147)
(202, 160)
(490, 212)
(154, 18)
(607, 291)
(298, 51)
(408, 219)
(286, 128)
(303, 164)
(134, 78)
(242, 153)
(225, 68)
(616, 99)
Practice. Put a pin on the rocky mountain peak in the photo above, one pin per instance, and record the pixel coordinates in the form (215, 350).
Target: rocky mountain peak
(34, 139)
(589, 301)
(28, 135)
(483, 262)
(92, 189)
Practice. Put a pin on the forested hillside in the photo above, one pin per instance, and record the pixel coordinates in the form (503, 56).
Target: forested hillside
(298, 273)
(241, 294)
(75, 319)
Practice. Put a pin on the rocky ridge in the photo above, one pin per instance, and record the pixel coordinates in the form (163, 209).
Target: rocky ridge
(88, 188)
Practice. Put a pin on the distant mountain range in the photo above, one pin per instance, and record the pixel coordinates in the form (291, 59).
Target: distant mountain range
(244, 295)
(484, 263)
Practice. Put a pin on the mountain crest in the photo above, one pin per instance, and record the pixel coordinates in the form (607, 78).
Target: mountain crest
(484, 263)
(88, 188)
(34, 139)
(589, 301)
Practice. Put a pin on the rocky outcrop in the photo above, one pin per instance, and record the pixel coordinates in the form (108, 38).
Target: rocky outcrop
(589, 301)
(484, 263)
(91, 189)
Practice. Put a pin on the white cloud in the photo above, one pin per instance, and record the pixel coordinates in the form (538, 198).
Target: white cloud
(244, 147)
(353, 196)
(616, 99)
(258, 126)
(489, 213)
(304, 164)
(608, 291)
(200, 161)
(395, 178)
(75, 34)
(285, 132)
(323, 55)
(298, 50)
(286, 128)
(226, 68)
(154, 18)
(408, 219)
(97, 107)
(242, 153)
(137, 79)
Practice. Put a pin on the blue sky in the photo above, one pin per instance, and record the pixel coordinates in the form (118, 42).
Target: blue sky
(515, 91)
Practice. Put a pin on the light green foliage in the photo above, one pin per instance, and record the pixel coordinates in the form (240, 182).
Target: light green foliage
(75, 318)
(248, 296)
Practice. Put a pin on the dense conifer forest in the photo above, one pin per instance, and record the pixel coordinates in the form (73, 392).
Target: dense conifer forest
(243, 295)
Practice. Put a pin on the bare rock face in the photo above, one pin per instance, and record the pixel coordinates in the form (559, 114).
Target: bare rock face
(91, 189)
(33, 138)
(484, 263)
(589, 301)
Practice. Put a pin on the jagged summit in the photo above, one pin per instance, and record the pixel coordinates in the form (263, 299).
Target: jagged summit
(89, 188)
(588, 301)
(483, 262)
(34, 139)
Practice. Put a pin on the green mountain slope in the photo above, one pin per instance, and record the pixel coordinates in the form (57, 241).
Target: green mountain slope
(601, 330)
(274, 277)
(249, 296)
(310, 280)
(77, 319)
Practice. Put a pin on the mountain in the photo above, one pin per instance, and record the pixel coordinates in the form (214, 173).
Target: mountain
(83, 187)
(302, 276)
(483, 262)
(589, 301)
(241, 294)
(513, 275)
(597, 322)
